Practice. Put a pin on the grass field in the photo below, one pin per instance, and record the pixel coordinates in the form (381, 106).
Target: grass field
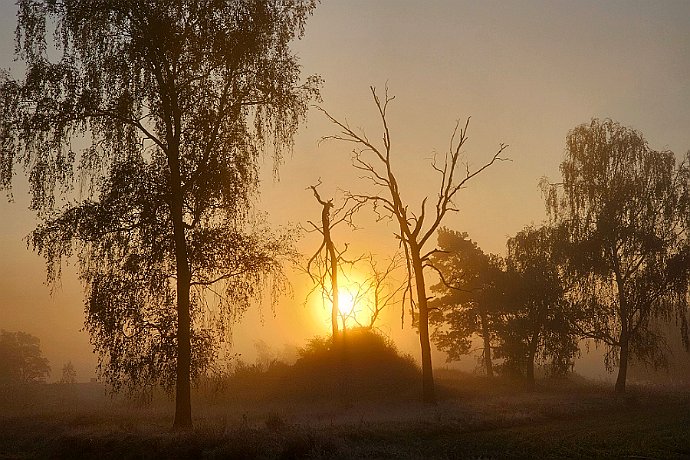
(474, 419)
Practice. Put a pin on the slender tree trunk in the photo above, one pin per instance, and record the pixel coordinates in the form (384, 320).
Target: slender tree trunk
(625, 335)
(530, 370)
(428, 389)
(335, 309)
(486, 336)
(330, 250)
(345, 392)
(183, 404)
(623, 364)
(530, 358)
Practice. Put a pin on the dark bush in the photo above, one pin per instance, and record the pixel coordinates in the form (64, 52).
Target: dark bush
(359, 365)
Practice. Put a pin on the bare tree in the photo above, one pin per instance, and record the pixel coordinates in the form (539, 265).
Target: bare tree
(379, 290)
(415, 228)
(323, 266)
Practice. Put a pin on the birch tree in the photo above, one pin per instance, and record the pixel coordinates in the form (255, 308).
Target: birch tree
(139, 124)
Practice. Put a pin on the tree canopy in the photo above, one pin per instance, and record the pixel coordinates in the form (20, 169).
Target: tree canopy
(470, 298)
(21, 358)
(624, 207)
(537, 316)
(146, 119)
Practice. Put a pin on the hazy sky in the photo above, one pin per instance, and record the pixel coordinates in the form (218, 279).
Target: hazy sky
(526, 72)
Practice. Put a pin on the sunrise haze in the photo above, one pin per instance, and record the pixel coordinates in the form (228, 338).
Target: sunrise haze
(526, 72)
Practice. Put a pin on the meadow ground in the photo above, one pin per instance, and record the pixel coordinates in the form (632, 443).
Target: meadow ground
(473, 419)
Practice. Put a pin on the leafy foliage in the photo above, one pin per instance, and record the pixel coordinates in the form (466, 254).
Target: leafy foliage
(69, 374)
(624, 206)
(537, 315)
(361, 364)
(517, 306)
(471, 296)
(147, 119)
(21, 358)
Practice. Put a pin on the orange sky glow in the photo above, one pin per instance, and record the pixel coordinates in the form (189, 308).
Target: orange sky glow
(525, 71)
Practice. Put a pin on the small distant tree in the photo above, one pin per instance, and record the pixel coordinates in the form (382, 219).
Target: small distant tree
(536, 324)
(470, 296)
(624, 206)
(415, 229)
(21, 358)
(69, 374)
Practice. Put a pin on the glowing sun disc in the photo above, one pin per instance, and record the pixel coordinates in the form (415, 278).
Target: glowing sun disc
(345, 302)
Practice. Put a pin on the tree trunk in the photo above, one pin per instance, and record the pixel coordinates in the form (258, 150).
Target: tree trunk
(623, 363)
(625, 336)
(428, 390)
(183, 397)
(183, 403)
(534, 342)
(486, 336)
(335, 311)
(330, 250)
(530, 370)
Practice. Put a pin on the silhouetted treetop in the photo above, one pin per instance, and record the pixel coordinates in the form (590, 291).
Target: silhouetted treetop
(178, 72)
(537, 316)
(624, 207)
(21, 358)
(147, 118)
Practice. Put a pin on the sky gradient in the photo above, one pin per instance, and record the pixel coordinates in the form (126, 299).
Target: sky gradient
(525, 71)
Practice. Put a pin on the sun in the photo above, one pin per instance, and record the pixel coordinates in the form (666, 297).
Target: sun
(354, 300)
(346, 302)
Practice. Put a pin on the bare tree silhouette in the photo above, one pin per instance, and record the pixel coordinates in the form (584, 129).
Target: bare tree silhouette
(379, 290)
(324, 265)
(415, 228)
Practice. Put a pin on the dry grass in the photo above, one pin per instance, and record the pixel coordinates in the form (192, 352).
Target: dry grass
(475, 419)
(364, 406)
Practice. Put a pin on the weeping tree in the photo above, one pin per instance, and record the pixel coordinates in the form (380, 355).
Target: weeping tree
(416, 229)
(139, 125)
(624, 207)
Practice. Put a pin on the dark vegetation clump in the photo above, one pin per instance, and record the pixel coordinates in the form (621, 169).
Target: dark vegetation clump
(360, 365)
(360, 362)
